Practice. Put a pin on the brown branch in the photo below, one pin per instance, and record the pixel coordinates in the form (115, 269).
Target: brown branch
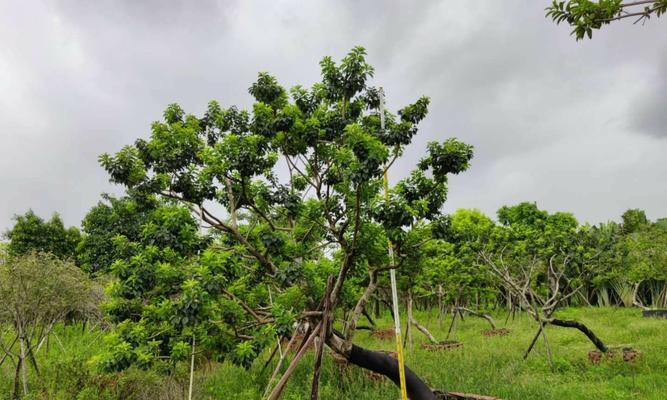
(348, 259)
(280, 386)
(352, 321)
(324, 327)
(244, 306)
(481, 315)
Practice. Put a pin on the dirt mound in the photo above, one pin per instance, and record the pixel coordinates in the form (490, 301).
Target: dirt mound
(384, 334)
(496, 332)
(444, 345)
(461, 396)
(627, 354)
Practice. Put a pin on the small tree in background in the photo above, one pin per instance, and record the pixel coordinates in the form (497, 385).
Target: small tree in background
(542, 262)
(37, 291)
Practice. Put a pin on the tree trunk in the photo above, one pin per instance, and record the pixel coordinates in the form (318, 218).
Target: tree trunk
(24, 369)
(368, 317)
(353, 319)
(440, 306)
(584, 329)
(635, 297)
(532, 342)
(315, 388)
(387, 365)
(423, 330)
(382, 364)
(487, 317)
(17, 379)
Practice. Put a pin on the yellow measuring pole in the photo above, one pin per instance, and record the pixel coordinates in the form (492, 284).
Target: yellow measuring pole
(392, 276)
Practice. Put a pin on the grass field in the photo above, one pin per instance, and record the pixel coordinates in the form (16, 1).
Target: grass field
(485, 365)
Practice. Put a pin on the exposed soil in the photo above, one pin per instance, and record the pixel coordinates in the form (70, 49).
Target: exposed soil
(627, 354)
(384, 334)
(496, 332)
(462, 396)
(444, 345)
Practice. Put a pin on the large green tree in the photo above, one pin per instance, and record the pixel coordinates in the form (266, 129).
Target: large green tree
(287, 232)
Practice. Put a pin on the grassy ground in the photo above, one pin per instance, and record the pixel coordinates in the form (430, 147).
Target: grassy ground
(494, 365)
(486, 365)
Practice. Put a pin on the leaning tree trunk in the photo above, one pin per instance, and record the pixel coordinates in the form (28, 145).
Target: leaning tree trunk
(387, 365)
(487, 317)
(584, 329)
(381, 363)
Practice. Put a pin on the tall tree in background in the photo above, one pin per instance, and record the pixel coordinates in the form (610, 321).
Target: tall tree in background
(585, 15)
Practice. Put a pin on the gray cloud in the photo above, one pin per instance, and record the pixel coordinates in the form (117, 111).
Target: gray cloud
(573, 126)
(650, 115)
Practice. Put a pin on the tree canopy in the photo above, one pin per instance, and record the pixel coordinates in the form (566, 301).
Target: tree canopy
(31, 233)
(300, 180)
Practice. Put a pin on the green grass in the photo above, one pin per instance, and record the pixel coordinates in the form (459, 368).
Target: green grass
(486, 365)
(494, 365)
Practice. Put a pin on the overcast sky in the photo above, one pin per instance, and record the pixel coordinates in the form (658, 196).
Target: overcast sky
(575, 126)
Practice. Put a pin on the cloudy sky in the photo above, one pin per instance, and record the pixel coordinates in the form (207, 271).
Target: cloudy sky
(577, 126)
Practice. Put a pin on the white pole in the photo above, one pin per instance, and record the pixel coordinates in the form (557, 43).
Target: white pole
(192, 367)
(392, 276)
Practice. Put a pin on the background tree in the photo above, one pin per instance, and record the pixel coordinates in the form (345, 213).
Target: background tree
(542, 261)
(31, 233)
(585, 15)
(37, 291)
(104, 224)
(634, 220)
(646, 261)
